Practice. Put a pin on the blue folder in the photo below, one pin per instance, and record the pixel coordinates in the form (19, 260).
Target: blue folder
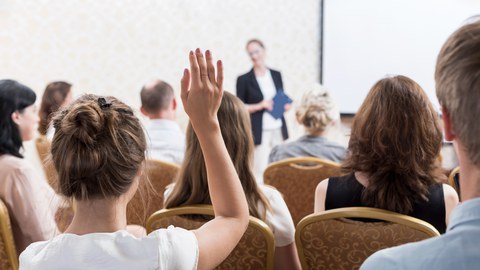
(279, 101)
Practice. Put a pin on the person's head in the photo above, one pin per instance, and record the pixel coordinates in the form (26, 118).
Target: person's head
(158, 100)
(317, 110)
(256, 51)
(98, 148)
(192, 187)
(18, 116)
(396, 140)
(56, 95)
(457, 78)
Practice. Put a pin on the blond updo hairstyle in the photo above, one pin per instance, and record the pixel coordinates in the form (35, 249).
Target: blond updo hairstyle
(98, 148)
(316, 110)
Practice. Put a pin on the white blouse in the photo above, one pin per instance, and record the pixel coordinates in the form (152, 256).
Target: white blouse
(172, 248)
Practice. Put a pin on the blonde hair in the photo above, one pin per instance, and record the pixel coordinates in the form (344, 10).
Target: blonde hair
(316, 110)
(191, 186)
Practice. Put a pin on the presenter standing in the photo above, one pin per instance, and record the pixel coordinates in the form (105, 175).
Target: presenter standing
(256, 89)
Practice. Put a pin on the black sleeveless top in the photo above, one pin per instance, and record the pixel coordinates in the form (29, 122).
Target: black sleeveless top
(346, 191)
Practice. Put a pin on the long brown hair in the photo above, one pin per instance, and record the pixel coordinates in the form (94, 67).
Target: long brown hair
(53, 97)
(396, 140)
(191, 186)
(98, 148)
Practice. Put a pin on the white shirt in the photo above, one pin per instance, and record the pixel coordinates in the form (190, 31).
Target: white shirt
(172, 248)
(269, 91)
(457, 249)
(166, 141)
(279, 220)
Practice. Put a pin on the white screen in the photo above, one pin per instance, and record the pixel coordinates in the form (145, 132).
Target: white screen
(366, 40)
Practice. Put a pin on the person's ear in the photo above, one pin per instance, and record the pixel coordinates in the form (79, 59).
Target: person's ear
(447, 125)
(16, 117)
(174, 104)
(143, 111)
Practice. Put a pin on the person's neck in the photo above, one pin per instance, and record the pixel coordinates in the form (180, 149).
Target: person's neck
(316, 133)
(469, 174)
(100, 215)
(167, 115)
(260, 70)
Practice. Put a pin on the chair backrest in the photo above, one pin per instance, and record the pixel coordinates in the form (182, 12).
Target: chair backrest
(454, 179)
(43, 148)
(254, 251)
(332, 240)
(8, 253)
(296, 179)
(149, 197)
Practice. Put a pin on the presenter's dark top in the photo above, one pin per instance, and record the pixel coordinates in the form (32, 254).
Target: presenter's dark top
(346, 191)
(249, 92)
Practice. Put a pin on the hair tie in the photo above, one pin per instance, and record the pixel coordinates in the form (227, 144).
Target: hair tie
(103, 103)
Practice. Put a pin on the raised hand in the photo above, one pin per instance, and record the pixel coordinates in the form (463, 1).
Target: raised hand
(202, 89)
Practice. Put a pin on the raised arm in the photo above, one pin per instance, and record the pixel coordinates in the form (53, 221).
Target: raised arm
(202, 92)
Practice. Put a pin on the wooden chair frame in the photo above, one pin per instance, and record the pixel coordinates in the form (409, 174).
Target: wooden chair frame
(7, 236)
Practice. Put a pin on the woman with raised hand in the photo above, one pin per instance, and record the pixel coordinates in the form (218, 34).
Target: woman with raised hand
(31, 202)
(265, 202)
(99, 150)
(392, 162)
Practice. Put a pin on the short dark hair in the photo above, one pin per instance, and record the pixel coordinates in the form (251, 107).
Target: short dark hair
(157, 97)
(14, 96)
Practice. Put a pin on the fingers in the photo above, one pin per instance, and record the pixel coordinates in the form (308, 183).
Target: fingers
(184, 85)
(195, 75)
(210, 67)
(220, 75)
(202, 66)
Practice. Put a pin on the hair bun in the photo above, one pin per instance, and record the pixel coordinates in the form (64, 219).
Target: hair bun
(83, 122)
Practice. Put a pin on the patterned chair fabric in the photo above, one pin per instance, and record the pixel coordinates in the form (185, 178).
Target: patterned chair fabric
(149, 196)
(454, 179)
(8, 253)
(254, 251)
(297, 179)
(43, 148)
(332, 240)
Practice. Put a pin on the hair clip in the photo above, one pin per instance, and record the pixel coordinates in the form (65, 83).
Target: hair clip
(102, 102)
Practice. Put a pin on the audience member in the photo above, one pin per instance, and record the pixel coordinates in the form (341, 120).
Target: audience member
(256, 89)
(317, 112)
(31, 202)
(458, 90)
(265, 202)
(393, 162)
(56, 95)
(165, 139)
(98, 150)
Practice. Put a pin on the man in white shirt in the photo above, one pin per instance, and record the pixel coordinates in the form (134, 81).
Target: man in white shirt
(166, 141)
(457, 79)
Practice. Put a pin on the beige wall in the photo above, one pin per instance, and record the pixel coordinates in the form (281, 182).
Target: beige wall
(114, 47)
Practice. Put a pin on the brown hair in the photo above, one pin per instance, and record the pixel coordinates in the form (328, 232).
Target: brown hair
(191, 186)
(53, 97)
(457, 78)
(396, 141)
(254, 40)
(156, 97)
(98, 148)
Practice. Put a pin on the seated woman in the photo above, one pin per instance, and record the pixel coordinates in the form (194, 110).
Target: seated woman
(99, 152)
(264, 202)
(317, 112)
(56, 95)
(31, 202)
(393, 162)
